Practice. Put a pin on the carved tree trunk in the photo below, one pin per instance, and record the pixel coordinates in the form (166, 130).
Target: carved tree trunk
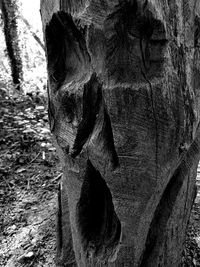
(124, 108)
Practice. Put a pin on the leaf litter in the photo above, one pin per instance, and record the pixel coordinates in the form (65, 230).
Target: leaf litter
(28, 184)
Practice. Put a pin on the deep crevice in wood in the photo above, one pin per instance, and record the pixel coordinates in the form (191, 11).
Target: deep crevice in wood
(92, 100)
(164, 210)
(161, 216)
(98, 224)
(155, 121)
(66, 49)
(105, 141)
(95, 126)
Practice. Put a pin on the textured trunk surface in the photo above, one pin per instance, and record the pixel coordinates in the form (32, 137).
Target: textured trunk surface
(124, 108)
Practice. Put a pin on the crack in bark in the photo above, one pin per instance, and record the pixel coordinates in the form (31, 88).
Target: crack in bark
(155, 121)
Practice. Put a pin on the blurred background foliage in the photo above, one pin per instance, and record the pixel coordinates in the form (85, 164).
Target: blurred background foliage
(24, 24)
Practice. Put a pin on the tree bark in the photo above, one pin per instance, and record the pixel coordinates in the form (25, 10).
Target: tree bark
(9, 14)
(124, 111)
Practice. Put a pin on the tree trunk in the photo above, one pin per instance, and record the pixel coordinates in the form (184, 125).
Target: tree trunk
(9, 14)
(124, 110)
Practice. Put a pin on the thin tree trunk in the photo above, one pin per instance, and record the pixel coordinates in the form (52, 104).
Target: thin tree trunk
(9, 14)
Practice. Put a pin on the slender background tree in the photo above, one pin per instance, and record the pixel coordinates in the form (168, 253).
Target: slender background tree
(9, 15)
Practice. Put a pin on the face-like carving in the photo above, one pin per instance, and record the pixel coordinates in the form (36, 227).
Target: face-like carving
(123, 110)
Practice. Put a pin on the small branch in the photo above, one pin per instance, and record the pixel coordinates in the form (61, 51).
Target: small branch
(34, 158)
(57, 177)
(32, 32)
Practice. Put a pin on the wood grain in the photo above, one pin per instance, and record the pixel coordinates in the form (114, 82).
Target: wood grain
(124, 110)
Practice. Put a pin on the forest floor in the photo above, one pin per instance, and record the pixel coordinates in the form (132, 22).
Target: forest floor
(29, 178)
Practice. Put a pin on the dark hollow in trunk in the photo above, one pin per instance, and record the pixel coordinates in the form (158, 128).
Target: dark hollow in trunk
(99, 226)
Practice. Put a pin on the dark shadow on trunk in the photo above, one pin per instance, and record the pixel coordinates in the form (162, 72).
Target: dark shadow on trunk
(98, 224)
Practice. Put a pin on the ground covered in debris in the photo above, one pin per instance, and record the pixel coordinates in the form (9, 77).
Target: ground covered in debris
(29, 177)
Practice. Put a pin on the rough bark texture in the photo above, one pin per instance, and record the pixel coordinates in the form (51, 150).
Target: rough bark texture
(124, 108)
(9, 14)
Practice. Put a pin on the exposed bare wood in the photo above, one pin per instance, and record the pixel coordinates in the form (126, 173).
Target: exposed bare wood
(124, 110)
